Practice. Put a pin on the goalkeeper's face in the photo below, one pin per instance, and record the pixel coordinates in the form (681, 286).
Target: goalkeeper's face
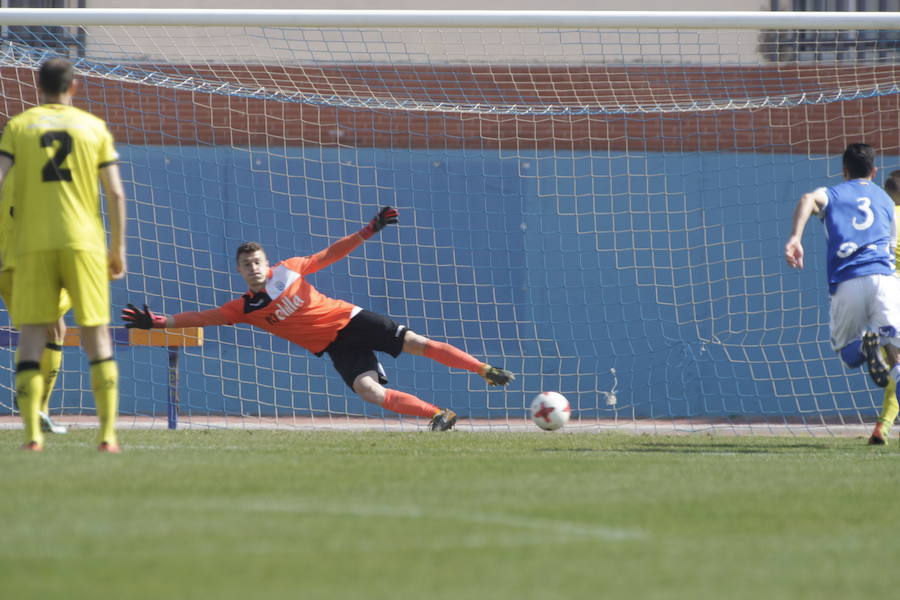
(254, 268)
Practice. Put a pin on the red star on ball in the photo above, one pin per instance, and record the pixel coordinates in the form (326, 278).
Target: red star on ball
(544, 412)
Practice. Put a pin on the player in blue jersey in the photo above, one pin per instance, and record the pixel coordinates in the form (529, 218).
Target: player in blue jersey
(861, 235)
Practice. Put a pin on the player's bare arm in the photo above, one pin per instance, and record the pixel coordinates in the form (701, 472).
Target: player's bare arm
(808, 205)
(115, 208)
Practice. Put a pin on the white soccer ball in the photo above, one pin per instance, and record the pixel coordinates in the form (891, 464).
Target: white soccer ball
(550, 410)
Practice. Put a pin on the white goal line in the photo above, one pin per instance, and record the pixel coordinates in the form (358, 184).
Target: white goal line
(311, 18)
(662, 427)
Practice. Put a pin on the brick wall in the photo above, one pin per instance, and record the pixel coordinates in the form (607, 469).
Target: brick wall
(142, 114)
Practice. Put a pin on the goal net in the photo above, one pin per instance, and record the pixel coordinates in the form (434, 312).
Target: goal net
(597, 202)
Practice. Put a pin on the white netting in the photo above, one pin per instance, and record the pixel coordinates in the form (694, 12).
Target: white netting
(597, 210)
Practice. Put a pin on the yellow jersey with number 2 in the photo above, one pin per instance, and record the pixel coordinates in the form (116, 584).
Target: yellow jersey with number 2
(57, 152)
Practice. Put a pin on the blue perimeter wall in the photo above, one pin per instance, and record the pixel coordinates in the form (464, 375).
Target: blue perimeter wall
(667, 268)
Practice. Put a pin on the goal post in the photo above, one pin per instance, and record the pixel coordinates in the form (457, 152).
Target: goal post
(597, 201)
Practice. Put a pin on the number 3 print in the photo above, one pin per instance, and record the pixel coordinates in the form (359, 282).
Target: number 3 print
(865, 208)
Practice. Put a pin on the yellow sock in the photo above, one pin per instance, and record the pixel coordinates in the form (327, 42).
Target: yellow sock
(29, 390)
(105, 384)
(51, 361)
(889, 407)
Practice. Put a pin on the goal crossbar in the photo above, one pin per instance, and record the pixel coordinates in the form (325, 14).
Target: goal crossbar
(313, 18)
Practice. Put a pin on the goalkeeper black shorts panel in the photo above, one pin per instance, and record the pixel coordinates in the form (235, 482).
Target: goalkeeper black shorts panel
(353, 351)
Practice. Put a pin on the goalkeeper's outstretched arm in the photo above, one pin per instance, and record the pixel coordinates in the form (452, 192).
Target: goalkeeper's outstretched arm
(344, 246)
(136, 318)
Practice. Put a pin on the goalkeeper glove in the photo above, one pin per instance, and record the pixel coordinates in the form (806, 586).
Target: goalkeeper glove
(135, 318)
(386, 216)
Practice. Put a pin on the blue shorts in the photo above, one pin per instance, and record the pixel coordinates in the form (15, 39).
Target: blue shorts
(353, 350)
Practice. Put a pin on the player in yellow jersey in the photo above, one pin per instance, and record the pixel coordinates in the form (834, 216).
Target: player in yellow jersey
(58, 153)
(889, 406)
(51, 359)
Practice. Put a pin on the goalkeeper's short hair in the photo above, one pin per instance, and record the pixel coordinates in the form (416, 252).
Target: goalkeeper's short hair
(247, 248)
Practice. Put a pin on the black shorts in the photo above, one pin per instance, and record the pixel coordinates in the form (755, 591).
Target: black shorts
(353, 351)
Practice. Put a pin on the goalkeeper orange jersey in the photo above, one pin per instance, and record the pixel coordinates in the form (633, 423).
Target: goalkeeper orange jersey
(291, 308)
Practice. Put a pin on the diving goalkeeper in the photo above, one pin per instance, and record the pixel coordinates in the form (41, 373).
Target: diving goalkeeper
(280, 300)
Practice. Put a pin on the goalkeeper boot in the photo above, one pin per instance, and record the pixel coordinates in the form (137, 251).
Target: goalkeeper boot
(496, 376)
(444, 420)
(878, 370)
(48, 426)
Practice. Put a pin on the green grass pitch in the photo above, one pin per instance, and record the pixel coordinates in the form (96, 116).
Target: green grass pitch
(461, 515)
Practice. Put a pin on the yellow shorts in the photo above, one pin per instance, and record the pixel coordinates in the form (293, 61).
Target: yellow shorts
(41, 277)
(6, 284)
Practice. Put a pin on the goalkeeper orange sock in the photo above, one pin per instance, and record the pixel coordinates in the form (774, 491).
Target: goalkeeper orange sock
(29, 391)
(51, 360)
(105, 385)
(407, 404)
(452, 356)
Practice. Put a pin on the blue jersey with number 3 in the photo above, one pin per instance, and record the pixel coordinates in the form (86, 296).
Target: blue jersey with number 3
(859, 224)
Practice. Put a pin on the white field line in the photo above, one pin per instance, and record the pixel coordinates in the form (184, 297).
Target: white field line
(640, 427)
(547, 529)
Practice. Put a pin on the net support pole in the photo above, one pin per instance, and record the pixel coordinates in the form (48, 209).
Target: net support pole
(173, 340)
(172, 402)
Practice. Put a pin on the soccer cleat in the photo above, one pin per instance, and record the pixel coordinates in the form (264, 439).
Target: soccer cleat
(48, 426)
(32, 446)
(109, 448)
(877, 369)
(444, 420)
(879, 435)
(495, 376)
